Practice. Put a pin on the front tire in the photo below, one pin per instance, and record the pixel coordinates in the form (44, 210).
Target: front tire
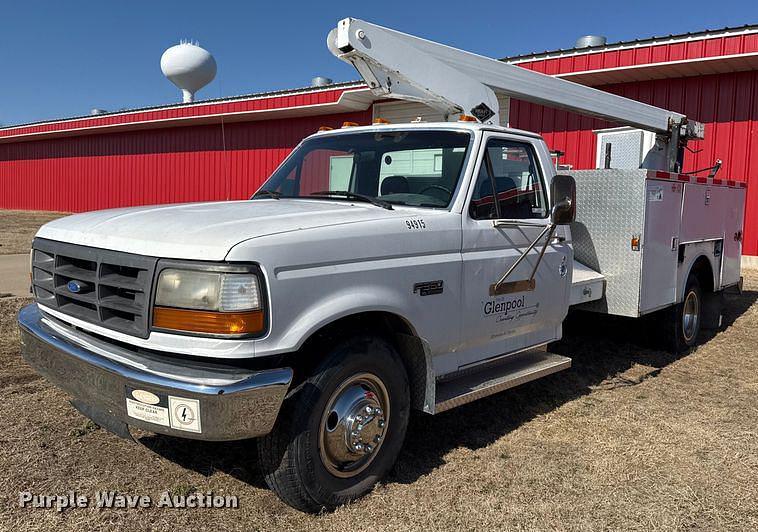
(339, 431)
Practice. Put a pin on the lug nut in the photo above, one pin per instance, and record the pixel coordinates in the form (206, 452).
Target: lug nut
(369, 410)
(358, 446)
(355, 434)
(377, 438)
(369, 449)
(381, 423)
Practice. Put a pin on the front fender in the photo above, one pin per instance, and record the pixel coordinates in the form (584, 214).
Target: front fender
(290, 332)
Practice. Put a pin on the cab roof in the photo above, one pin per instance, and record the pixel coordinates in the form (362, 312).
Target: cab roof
(461, 126)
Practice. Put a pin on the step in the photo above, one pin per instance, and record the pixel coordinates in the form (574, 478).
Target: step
(586, 284)
(511, 371)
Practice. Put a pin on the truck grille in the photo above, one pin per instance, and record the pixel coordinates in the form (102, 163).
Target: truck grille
(107, 288)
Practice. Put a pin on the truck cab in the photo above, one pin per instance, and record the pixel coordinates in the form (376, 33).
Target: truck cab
(365, 278)
(431, 249)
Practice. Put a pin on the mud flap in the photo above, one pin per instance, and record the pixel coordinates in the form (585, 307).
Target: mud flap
(104, 420)
(713, 306)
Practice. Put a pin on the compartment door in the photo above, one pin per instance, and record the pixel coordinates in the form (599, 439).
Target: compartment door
(660, 244)
(733, 207)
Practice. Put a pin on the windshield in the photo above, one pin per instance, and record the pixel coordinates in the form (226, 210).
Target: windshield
(417, 168)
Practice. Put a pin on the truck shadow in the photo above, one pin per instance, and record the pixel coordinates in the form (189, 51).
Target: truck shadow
(602, 349)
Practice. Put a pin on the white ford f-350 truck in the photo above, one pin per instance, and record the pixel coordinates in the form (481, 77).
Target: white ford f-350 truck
(379, 270)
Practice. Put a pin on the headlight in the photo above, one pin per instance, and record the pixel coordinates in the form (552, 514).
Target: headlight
(208, 302)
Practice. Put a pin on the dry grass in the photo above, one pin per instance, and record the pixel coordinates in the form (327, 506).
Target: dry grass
(630, 438)
(17, 229)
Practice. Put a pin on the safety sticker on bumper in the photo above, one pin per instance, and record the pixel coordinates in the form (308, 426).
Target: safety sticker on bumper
(184, 413)
(146, 412)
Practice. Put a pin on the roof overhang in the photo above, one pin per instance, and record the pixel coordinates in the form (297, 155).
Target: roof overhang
(671, 69)
(349, 100)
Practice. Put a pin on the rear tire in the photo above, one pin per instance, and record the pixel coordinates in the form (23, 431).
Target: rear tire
(340, 431)
(683, 323)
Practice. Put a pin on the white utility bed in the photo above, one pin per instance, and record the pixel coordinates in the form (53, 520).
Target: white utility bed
(642, 231)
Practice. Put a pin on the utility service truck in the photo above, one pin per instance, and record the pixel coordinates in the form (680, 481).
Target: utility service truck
(381, 269)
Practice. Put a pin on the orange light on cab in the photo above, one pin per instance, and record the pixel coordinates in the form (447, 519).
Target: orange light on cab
(379, 120)
(349, 124)
(467, 118)
(325, 128)
(201, 321)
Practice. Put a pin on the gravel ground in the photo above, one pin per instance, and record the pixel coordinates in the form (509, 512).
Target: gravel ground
(631, 438)
(17, 229)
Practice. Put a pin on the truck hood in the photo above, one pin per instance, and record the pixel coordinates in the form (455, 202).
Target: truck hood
(202, 231)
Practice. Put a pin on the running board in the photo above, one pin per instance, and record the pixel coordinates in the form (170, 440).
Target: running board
(508, 373)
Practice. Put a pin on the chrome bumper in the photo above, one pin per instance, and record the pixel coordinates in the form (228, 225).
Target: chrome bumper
(234, 403)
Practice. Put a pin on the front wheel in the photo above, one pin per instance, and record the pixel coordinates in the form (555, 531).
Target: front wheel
(341, 430)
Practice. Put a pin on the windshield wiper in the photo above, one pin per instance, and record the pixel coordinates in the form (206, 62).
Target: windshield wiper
(267, 193)
(353, 195)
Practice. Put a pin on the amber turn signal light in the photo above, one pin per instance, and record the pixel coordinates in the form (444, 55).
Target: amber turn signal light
(201, 321)
(467, 118)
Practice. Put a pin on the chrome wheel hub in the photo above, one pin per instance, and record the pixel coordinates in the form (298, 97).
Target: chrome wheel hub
(690, 316)
(353, 425)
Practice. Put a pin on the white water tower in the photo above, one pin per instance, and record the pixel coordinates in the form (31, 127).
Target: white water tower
(189, 67)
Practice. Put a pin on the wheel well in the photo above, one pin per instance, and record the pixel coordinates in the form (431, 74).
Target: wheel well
(703, 271)
(392, 327)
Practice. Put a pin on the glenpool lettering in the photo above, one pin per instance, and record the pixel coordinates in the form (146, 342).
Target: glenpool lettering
(503, 307)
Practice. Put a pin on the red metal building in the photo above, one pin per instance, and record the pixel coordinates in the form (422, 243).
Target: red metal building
(223, 149)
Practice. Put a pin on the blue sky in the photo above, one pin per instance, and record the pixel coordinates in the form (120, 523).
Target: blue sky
(61, 59)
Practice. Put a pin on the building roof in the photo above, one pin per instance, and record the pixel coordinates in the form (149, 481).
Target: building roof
(647, 41)
(224, 99)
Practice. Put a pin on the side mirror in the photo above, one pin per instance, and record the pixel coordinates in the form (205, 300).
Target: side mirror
(563, 195)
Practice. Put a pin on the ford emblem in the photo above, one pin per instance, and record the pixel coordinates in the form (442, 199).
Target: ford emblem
(74, 287)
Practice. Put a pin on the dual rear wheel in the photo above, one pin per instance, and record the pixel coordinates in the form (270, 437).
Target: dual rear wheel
(683, 321)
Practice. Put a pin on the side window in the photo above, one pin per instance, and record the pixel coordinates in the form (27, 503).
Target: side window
(509, 184)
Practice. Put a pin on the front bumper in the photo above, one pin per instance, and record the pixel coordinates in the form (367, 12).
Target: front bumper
(233, 403)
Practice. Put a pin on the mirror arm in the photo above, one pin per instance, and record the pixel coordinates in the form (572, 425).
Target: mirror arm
(548, 229)
(542, 251)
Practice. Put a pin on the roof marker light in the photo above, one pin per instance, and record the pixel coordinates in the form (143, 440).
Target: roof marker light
(349, 124)
(379, 120)
(467, 118)
(325, 128)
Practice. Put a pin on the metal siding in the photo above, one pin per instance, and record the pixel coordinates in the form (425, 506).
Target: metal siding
(181, 164)
(726, 103)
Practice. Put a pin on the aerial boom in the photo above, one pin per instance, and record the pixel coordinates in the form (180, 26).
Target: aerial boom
(454, 81)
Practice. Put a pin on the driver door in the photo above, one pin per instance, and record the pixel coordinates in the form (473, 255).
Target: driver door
(507, 210)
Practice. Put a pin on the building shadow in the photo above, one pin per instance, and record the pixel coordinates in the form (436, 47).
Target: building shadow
(602, 348)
